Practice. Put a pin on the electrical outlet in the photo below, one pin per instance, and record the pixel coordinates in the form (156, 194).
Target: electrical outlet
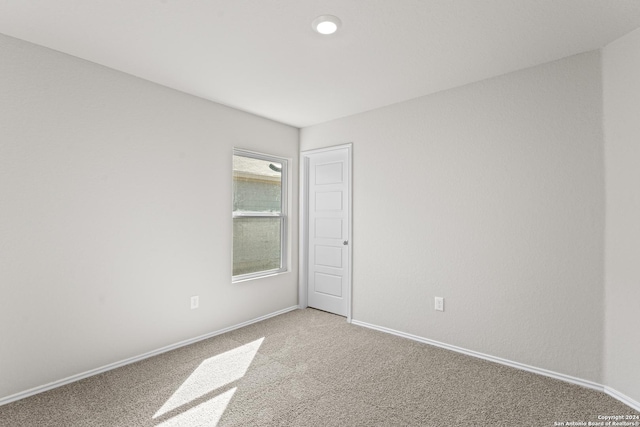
(439, 303)
(195, 302)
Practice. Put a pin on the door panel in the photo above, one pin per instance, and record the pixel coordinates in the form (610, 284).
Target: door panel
(329, 284)
(328, 256)
(329, 201)
(328, 228)
(328, 219)
(329, 173)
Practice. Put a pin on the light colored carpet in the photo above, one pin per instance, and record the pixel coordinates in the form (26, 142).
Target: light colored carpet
(310, 368)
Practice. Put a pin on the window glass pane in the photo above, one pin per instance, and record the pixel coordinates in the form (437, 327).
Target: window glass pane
(256, 244)
(257, 185)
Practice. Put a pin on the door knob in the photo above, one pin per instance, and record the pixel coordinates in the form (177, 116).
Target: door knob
(346, 242)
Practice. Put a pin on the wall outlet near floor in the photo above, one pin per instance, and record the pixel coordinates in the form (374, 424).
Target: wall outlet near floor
(439, 303)
(195, 302)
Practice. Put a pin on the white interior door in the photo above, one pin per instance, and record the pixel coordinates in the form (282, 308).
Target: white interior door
(329, 275)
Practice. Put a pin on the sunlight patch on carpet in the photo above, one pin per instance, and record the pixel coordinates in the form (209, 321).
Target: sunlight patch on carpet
(212, 374)
(207, 413)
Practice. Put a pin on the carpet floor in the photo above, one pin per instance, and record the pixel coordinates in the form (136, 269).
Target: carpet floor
(311, 368)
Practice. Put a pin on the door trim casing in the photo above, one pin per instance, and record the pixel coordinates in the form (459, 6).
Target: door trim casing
(303, 212)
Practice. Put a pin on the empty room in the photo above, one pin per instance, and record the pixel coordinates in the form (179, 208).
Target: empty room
(320, 213)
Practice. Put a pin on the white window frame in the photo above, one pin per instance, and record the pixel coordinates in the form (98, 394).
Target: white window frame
(284, 256)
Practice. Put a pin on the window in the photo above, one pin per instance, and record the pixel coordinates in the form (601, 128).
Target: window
(259, 215)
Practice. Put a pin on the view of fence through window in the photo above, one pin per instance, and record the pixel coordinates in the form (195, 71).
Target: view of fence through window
(258, 214)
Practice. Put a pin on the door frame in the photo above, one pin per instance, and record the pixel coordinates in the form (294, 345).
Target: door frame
(303, 285)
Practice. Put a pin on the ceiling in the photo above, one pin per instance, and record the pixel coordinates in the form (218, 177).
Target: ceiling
(262, 56)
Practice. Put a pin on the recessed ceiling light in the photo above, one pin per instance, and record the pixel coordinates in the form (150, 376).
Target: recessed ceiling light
(326, 24)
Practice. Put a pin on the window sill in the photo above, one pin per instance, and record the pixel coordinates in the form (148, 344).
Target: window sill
(247, 278)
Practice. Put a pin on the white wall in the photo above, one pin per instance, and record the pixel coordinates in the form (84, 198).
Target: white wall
(621, 70)
(490, 195)
(115, 208)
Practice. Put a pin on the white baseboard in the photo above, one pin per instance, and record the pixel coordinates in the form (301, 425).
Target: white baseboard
(545, 372)
(562, 377)
(92, 372)
(622, 398)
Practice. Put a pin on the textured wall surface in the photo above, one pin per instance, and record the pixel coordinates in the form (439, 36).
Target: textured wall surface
(256, 241)
(115, 199)
(490, 195)
(621, 70)
(256, 244)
